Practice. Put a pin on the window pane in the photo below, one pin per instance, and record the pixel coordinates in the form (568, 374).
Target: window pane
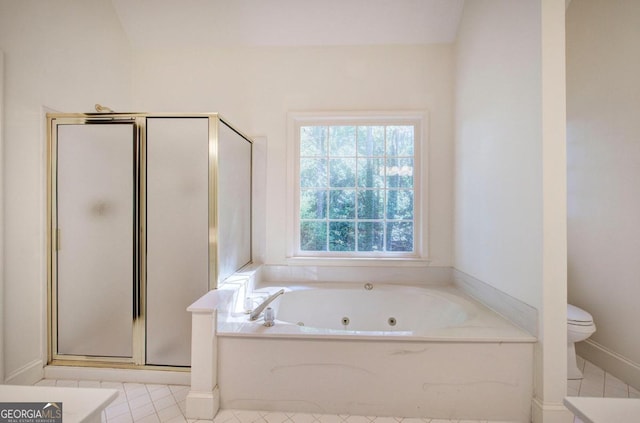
(313, 141)
(370, 236)
(399, 173)
(371, 173)
(400, 236)
(313, 204)
(342, 141)
(399, 204)
(313, 173)
(342, 173)
(371, 141)
(342, 236)
(371, 204)
(399, 140)
(342, 204)
(357, 187)
(313, 236)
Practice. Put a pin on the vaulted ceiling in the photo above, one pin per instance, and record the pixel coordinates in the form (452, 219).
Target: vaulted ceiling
(200, 23)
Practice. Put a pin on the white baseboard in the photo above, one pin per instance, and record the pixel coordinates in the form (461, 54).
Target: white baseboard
(118, 375)
(610, 361)
(550, 412)
(26, 375)
(203, 405)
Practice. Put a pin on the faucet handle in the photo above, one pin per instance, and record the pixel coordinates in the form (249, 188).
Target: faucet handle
(248, 305)
(269, 317)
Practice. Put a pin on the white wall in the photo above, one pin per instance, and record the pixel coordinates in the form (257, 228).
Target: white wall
(66, 55)
(498, 176)
(255, 87)
(603, 134)
(510, 215)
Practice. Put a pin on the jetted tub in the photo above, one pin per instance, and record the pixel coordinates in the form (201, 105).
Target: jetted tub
(392, 350)
(387, 311)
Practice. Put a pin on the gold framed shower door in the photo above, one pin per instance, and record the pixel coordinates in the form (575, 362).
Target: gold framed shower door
(139, 287)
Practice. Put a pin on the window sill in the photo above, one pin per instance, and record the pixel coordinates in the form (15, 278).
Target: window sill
(359, 261)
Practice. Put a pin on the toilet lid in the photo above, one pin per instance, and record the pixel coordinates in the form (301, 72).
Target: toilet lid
(578, 315)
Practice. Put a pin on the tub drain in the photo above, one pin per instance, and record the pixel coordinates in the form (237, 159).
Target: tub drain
(345, 321)
(392, 321)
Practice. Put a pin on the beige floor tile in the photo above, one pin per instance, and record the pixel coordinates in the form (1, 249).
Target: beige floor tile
(178, 419)
(169, 413)
(591, 389)
(164, 402)
(328, 418)
(592, 372)
(614, 387)
(225, 416)
(248, 416)
(159, 393)
(140, 401)
(153, 418)
(143, 411)
(302, 418)
(275, 417)
(116, 410)
(134, 393)
(125, 418)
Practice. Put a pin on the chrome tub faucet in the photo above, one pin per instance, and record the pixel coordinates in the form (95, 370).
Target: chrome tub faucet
(258, 310)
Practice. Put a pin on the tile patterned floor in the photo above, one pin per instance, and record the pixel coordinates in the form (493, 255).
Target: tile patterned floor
(137, 402)
(166, 403)
(598, 383)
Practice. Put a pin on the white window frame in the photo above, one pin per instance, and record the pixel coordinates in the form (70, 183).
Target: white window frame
(295, 121)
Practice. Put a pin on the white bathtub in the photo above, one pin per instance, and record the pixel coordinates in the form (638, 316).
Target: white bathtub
(412, 311)
(393, 312)
(446, 356)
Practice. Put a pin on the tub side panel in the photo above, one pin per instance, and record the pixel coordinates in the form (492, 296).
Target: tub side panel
(487, 381)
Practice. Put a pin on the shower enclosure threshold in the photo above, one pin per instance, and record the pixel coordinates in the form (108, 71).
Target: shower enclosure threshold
(111, 373)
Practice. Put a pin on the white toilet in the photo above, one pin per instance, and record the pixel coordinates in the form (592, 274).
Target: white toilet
(580, 326)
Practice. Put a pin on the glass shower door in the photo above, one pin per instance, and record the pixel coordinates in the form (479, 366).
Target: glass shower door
(177, 234)
(146, 213)
(95, 237)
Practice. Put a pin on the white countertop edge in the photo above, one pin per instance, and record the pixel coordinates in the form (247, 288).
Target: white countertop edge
(78, 404)
(604, 410)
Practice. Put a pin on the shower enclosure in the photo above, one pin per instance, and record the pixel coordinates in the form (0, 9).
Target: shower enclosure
(146, 213)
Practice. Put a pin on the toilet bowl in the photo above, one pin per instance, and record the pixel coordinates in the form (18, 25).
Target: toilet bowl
(580, 326)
